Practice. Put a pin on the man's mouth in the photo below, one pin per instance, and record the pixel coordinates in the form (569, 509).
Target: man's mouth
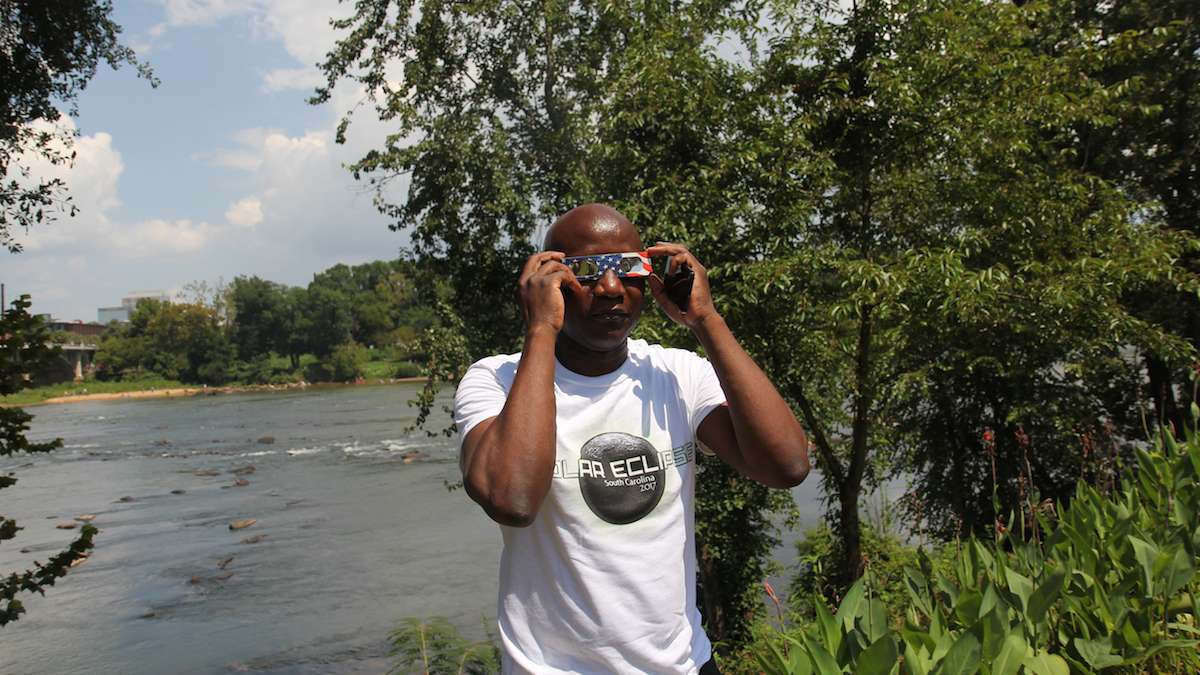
(611, 315)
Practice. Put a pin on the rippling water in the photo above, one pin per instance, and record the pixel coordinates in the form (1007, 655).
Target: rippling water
(352, 538)
(355, 539)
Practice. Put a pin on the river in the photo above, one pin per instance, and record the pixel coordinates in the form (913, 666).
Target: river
(353, 539)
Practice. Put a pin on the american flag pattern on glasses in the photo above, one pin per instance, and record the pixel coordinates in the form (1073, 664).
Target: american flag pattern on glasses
(589, 267)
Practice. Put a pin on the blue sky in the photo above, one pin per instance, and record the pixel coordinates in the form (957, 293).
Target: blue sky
(222, 170)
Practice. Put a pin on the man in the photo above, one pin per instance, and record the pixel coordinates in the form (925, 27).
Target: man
(582, 447)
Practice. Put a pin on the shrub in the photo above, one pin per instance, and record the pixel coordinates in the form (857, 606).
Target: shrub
(344, 364)
(1108, 583)
(435, 647)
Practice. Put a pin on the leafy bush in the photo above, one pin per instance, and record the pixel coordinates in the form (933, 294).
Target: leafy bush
(1110, 583)
(407, 369)
(344, 364)
(435, 647)
(816, 579)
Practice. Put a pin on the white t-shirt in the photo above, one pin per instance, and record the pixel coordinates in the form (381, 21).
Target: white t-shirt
(604, 580)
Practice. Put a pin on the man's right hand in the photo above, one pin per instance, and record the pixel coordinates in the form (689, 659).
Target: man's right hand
(540, 289)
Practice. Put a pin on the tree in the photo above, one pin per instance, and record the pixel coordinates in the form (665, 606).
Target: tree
(508, 113)
(23, 347)
(260, 321)
(181, 341)
(1153, 151)
(888, 199)
(958, 270)
(328, 319)
(51, 49)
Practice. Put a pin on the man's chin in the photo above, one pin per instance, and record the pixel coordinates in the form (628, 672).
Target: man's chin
(601, 340)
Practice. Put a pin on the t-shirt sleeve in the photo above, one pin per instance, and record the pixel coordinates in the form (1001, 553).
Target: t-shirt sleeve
(706, 390)
(480, 396)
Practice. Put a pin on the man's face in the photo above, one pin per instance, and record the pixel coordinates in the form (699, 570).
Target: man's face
(601, 315)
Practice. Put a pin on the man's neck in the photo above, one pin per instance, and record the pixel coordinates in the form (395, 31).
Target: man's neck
(579, 359)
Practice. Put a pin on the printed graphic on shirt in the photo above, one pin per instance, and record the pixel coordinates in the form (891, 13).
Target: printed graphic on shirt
(621, 476)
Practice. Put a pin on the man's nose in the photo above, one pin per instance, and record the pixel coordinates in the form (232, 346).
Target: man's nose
(608, 284)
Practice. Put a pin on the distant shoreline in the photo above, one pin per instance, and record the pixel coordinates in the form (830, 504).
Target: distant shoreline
(179, 392)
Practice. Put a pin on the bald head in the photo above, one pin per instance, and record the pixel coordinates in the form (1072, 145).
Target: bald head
(591, 229)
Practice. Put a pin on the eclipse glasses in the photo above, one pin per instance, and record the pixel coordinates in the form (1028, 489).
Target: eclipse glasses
(589, 267)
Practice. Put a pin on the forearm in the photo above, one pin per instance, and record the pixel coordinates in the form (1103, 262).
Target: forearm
(509, 470)
(771, 443)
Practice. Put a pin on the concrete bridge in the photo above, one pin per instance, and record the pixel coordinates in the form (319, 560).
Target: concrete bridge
(82, 357)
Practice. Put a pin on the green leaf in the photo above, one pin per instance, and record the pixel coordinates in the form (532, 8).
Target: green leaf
(849, 608)
(879, 658)
(830, 633)
(1179, 572)
(963, 657)
(1013, 653)
(1045, 663)
(1045, 596)
(822, 661)
(1020, 585)
(1098, 652)
(916, 659)
(1145, 553)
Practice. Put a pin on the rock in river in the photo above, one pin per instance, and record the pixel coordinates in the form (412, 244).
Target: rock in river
(242, 523)
(65, 526)
(253, 540)
(86, 518)
(267, 440)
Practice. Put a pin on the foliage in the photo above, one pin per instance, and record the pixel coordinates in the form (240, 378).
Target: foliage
(1153, 151)
(23, 347)
(260, 317)
(816, 580)
(346, 362)
(496, 133)
(1108, 581)
(435, 647)
(51, 50)
(182, 341)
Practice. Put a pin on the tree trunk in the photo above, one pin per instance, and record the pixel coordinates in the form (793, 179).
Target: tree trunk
(850, 531)
(1162, 392)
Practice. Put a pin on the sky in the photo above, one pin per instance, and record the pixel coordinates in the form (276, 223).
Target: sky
(223, 170)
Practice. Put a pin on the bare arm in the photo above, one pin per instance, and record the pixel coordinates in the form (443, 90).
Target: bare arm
(756, 433)
(508, 460)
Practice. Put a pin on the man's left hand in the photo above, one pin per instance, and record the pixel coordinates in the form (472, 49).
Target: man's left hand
(700, 304)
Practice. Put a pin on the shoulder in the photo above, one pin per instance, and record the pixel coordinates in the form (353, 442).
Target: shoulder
(668, 357)
(496, 362)
(490, 371)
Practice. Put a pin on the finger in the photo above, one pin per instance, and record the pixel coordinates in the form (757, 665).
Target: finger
(533, 262)
(659, 291)
(665, 248)
(564, 276)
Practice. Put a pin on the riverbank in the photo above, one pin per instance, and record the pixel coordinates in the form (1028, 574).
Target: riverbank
(112, 391)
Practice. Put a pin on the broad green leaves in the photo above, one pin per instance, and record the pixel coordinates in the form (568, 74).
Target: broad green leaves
(1051, 606)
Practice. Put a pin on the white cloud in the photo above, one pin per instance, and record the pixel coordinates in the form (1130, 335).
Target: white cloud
(157, 238)
(245, 212)
(199, 12)
(91, 183)
(285, 79)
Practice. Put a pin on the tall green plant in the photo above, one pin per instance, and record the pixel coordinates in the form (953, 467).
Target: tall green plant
(1107, 582)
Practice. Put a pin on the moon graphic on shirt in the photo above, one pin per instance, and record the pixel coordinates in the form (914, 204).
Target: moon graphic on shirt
(621, 477)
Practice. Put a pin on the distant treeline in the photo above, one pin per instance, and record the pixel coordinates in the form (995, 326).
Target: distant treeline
(349, 321)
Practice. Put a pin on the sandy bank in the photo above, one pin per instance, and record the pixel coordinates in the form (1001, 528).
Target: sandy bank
(211, 391)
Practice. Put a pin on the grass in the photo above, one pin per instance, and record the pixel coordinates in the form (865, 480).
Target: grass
(39, 394)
